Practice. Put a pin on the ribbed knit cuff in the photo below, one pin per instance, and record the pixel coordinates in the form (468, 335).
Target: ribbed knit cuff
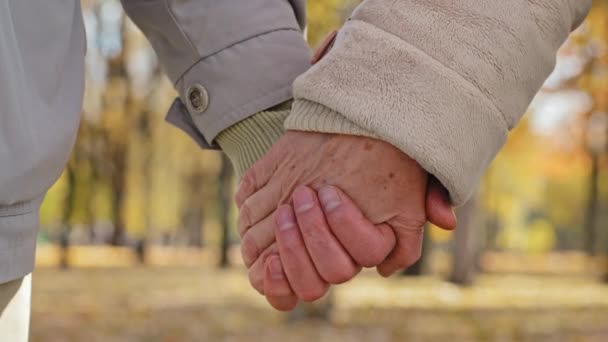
(314, 117)
(248, 140)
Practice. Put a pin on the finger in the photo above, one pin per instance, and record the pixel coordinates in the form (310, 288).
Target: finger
(256, 177)
(256, 271)
(297, 265)
(276, 288)
(257, 239)
(407, 250)
(332, 262)
(258, 206)
(439, 210)
(366, 243)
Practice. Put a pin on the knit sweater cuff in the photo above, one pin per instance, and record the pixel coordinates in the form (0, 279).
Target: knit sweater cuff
(314, 117)
(248, 140)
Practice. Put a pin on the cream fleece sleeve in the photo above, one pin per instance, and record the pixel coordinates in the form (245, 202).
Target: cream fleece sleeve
(442, 80)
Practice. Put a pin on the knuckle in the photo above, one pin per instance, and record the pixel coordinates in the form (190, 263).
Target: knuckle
(342, 217)
(384, 271)
(372, 257)
(412, 224)
(312, 232)
(256, 281)
(312, 294)
(249, 180)
(346, 213)
(292, 248)
(249, 250)
(284, 307)
(414, 257)
(244, 219)
(272, 249)
(239, 196)
(277, 290)
(291, 241)
(340, 276)
(408, 260)
(246, 187)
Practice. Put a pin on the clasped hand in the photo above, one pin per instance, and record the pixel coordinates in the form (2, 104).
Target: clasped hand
(319, 207)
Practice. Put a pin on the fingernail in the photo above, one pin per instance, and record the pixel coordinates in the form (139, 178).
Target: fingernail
(276, 269)
(303, 200)
(329, 198)
(285, 218)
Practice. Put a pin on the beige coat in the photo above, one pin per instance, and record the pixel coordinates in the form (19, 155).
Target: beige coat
(442, 80)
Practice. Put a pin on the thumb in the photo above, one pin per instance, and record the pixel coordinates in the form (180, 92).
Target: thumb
(408, 249)
(439, 210)
(367, 244)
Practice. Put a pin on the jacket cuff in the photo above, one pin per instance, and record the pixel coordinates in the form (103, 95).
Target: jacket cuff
(248, 140)
(314, 117)
(233, 84)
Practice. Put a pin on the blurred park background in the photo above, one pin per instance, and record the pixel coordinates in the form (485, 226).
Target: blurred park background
(138, 238)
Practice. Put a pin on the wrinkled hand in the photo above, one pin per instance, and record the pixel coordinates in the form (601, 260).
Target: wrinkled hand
(324, 240)
(389, 187)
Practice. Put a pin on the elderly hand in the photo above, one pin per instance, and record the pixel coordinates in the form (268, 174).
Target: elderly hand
(389, 187)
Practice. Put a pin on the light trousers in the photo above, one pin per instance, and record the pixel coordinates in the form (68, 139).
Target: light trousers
(15, 302)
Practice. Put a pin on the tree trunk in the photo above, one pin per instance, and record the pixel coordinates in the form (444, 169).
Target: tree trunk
(605, 278)
(119, 102)
(592, 207)
(68, 209)
(119, 193)
(192, 214)
(604, 225)
(89, 206)
(465, 245)
(225, 197)
(145, 132)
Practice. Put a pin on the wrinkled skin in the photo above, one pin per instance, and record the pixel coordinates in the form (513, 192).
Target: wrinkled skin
(384, 207)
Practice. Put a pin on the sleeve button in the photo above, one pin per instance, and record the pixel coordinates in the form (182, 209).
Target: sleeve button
(197, 99)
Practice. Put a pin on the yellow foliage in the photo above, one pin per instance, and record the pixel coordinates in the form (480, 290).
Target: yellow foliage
(325, 16)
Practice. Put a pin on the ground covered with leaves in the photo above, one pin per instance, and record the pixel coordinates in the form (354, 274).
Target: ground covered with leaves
(204, 304)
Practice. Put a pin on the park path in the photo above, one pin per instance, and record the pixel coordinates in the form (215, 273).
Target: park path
(205, 304)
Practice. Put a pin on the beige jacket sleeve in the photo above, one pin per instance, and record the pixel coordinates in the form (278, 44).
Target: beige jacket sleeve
(442, 80)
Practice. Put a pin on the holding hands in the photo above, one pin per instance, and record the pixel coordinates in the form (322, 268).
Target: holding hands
(319, 207)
